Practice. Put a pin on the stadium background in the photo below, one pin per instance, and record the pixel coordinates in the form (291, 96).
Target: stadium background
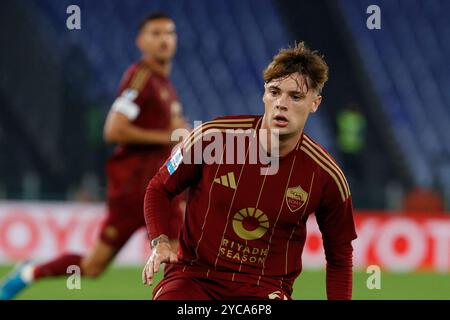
(384, 117)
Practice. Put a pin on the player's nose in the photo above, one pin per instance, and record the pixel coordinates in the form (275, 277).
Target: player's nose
(165, 38)
(280, 103)
(280, 106)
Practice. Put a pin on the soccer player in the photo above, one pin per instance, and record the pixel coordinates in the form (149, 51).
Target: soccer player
(140, 121)
(244, 229)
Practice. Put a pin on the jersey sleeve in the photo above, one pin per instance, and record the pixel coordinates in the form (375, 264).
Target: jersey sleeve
(132, 92)
(176, 175)
(335, 219)
(335, 215)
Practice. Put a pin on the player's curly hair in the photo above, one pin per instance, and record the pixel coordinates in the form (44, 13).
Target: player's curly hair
(299, 59)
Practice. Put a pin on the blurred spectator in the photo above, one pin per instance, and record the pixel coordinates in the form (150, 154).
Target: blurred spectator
(351, 140)
(351, 125)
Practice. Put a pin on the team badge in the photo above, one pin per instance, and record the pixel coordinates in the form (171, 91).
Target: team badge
(296, 198)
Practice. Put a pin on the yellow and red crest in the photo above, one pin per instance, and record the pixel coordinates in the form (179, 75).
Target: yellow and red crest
(296, 198)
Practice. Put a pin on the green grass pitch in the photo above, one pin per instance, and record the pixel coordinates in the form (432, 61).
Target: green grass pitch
(125, 283)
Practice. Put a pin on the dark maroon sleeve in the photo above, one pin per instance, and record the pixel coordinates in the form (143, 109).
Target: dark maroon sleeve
(173, 178)
(339, 271)
(335, 220)
(135, 85)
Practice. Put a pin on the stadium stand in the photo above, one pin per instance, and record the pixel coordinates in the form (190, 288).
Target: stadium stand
(407, 64)
(223, 47)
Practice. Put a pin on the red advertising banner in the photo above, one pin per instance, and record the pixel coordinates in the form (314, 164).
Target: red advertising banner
(393, 241)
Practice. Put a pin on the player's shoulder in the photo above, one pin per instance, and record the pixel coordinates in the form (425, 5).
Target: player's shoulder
(223, 125)
(136, 76)
(325, 163)
(316, 151)
(234, 121)
(226, 123)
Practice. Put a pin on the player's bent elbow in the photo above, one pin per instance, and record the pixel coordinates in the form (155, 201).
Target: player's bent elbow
(109, 137)
(115, 129)
(113, 134)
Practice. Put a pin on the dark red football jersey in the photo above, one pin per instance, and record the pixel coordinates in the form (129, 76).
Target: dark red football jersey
(245, 226)
(148, 99)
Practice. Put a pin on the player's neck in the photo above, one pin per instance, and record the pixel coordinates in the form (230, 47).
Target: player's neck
(160, 67)
(285, 146)
(286, 143)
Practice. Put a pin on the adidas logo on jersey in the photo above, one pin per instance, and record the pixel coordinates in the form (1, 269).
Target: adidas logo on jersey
(227, 180)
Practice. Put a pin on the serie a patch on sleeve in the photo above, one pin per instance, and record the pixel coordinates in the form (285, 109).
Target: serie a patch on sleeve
(130, 94)
(174, 162)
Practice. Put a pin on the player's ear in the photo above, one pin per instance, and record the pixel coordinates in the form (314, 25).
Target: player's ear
(316, 103)
(263, 98)
(138, 41)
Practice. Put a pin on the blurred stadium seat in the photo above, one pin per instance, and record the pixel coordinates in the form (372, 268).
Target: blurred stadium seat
(407, 61)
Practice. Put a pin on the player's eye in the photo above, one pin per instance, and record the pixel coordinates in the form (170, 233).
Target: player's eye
(297, 97)
(273, 92)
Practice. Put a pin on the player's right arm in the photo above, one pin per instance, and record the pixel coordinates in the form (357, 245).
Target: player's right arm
(161, 252)
(175, 176)
(120, 129)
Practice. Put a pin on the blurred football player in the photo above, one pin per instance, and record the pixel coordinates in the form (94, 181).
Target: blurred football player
(140, 122)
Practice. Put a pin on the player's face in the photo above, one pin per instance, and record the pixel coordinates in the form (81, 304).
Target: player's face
(158, 39)
(288, 103)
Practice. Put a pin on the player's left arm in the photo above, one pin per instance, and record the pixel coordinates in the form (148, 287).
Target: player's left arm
(335, 219)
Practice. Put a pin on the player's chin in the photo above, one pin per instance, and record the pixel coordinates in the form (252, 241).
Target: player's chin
(281, 130)
(165, 55)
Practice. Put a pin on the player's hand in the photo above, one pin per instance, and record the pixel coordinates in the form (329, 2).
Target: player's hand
(163, 252)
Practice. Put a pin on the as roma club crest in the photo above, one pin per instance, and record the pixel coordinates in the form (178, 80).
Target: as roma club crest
(296, 198)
